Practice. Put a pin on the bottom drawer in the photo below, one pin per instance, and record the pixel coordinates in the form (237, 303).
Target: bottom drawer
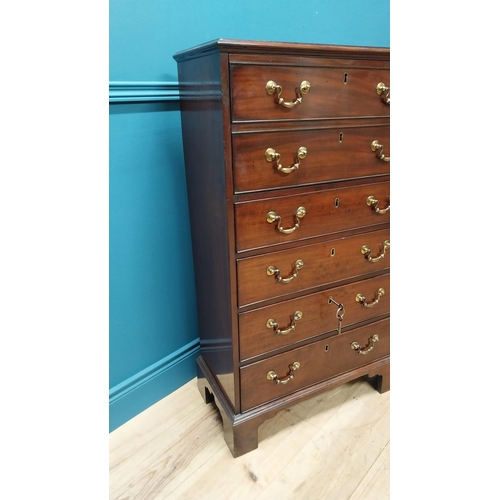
(317, 361)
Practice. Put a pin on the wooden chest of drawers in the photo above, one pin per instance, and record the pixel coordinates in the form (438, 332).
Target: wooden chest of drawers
(286, 149)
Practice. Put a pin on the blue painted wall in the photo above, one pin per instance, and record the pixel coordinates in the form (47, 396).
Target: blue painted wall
(153, 325)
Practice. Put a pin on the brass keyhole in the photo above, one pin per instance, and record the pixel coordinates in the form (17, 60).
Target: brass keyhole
(345, 78)
(341, 137)
(332, 252)
(327, 347)
(337, 202)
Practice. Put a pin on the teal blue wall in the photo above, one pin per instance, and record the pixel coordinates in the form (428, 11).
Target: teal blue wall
(153, 325)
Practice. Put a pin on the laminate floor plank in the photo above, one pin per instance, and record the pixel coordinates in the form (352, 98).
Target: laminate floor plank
(248, 476)
(148, 425)
(332, 463)
(375, 485)
(359, 434)
(333, 446)
(187, 444)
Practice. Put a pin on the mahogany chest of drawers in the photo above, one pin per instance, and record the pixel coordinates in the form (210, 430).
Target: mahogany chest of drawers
(286, 149)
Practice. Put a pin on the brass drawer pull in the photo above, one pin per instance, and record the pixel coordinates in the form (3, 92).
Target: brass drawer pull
(384, 92)
(273, 88)
(366, 251)
(274, 217)
(379, 148)
(361, 298)
(272, 155)
(276, 327)
(365, 350)
(271, 270)
(272, 375)
(371, 201)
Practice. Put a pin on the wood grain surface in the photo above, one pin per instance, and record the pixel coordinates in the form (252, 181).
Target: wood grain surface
(335, 92)
(176, 450)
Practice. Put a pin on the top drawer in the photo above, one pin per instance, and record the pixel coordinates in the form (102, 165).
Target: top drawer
(333, 93)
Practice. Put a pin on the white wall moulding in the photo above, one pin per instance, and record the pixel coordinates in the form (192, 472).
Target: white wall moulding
(143, 91)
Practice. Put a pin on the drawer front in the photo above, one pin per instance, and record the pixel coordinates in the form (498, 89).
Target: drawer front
(279, 325)
(331, 154)
(323, 263)
(326, 212)
(334, 92)
(318, 361)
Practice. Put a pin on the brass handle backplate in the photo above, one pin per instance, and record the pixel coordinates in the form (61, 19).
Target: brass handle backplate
(379, 149)
(272, 155)
(384, 91)
(362, 299)
(276, 327)
(273, 376)
(271, 270)
(365, 350)
(273, 88)
(274, 217)
(371, 201)
(366, 251)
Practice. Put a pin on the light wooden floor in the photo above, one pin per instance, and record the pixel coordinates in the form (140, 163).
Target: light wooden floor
(334, 446)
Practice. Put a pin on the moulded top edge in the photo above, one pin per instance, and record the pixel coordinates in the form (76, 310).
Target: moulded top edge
(291, 48)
